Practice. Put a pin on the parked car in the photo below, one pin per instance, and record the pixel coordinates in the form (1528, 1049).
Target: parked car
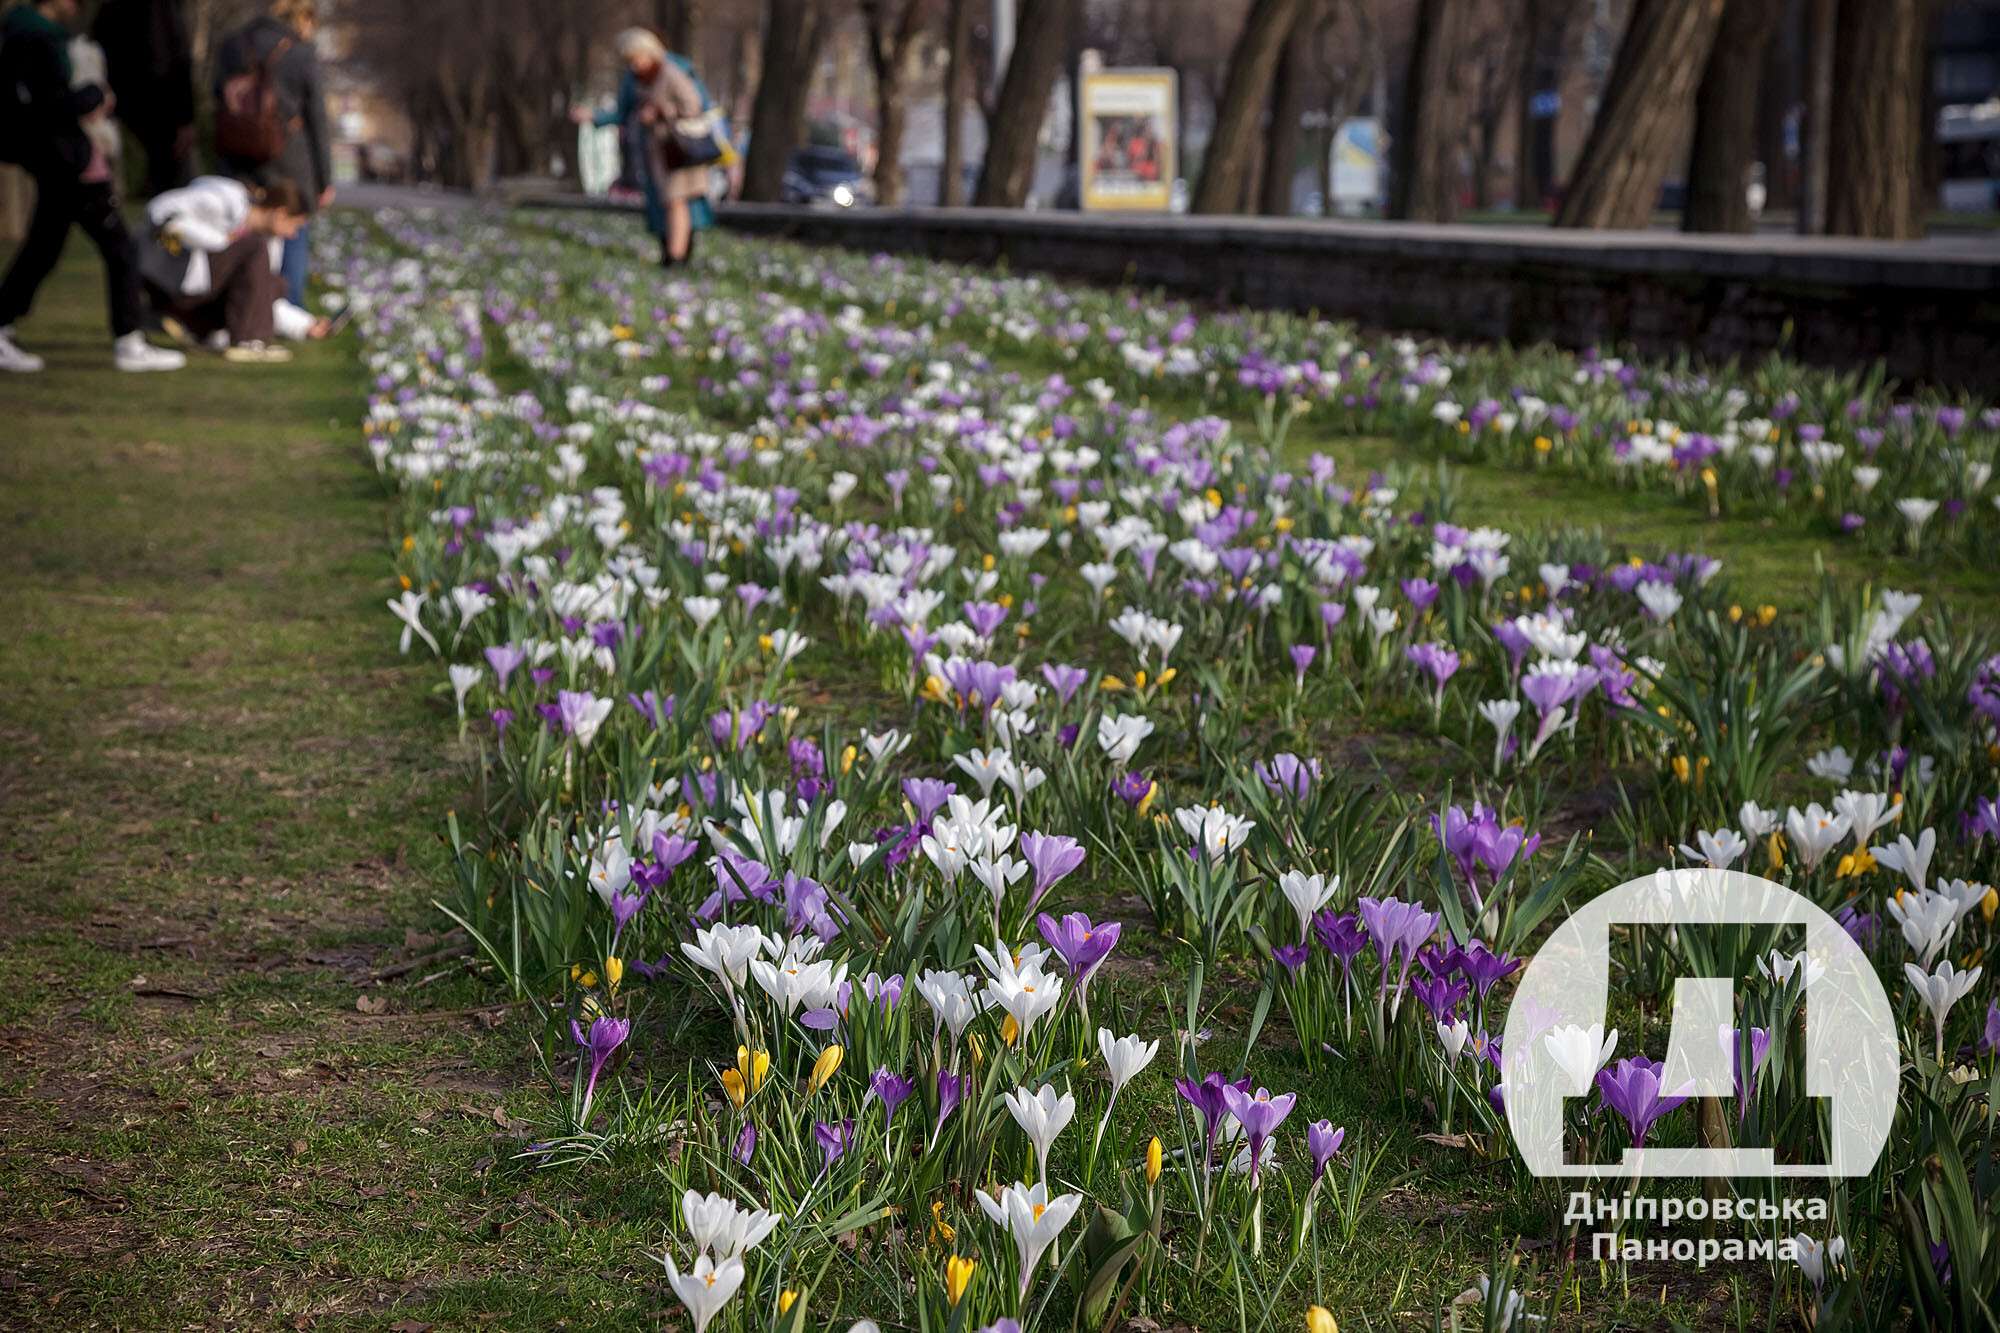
(822, 175)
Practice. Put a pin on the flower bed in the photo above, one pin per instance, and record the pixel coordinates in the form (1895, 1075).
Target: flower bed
(974, 808)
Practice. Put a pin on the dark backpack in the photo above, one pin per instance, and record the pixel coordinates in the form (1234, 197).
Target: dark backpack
(249, 126)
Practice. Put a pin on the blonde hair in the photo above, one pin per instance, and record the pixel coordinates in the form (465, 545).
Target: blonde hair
(295, 12)
(640, 42)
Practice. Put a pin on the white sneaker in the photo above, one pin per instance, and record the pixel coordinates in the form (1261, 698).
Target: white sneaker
(13, 358)
(132, 352)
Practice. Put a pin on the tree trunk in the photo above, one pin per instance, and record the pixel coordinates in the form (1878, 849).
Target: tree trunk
(1822, 18)
(1528, 183)
(1015, 128)
(957, 91)
(1648, 101)
(892, 30)
(777, 120)
(1725, 119)
(1423, 181)
(1875, 139)
(1227, 163)
(677, 21)
(1288, 108)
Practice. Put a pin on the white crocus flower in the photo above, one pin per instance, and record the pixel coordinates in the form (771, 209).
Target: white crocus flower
(1214, 830)
(1720, 848)
(954, 998)
(706, 1287)
(726, 951)
(724, 1228)
(1814, 832)
(1042, 1115)
(1124, 1058)
(1867, 811)
(1032, 1218)
(1909, 858)
(1834, 765)
(1307, 894)
(1781, 967)
(408, 607)
(1940, 990)
(1580, 1052)
(1928, 921)
(463, 678)
(1816, 1260)
(1500, 713)
(1119, 736)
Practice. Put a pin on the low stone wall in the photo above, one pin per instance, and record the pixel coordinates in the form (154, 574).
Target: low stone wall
(1928, 311)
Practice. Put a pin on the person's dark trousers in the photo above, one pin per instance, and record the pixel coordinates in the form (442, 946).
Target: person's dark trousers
(241, 291)
(165, 168)
(60, 204)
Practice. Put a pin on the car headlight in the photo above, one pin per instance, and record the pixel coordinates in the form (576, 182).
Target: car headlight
(843, 195)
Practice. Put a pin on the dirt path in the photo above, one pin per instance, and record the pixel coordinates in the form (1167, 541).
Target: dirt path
(219, 794)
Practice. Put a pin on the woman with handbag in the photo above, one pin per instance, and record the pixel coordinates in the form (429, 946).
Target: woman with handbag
(687, 138)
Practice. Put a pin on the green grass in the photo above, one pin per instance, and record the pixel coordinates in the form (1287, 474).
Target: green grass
(220, 793)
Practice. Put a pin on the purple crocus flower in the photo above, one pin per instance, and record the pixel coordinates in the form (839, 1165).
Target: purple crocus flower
(1132, 787)
(1259, 1113)
(604, 1036)
(1744, 1066)
(1437, 662)
(1051, 856)
(1397, 928)
(1288, 775)
(746, 1144)
(1082, 947)
(951, 1091)
(1064, 680)
(1206, 1097)
(1342, 936)
(1990, 1040)
(1440, 995)
(1302, 658)
(624, 906)
(1293, 956)
(502, 718)
(834, 1139)
(505, 659)
(892, 1090)
(927, 796)
(1322, 1142)
(1421, 592)
(1631, 1087)
(1484, 968)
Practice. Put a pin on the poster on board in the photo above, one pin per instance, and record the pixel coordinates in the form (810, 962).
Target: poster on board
(1130, 141)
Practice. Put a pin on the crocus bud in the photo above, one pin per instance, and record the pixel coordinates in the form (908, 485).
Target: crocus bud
(1319, 1319)
(824, 1068)
(1153, 1161)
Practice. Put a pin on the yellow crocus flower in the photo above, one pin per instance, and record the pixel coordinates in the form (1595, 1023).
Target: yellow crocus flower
(957, 1277)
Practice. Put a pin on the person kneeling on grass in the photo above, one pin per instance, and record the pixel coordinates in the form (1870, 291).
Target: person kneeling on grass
(43, 127)
(207, 266)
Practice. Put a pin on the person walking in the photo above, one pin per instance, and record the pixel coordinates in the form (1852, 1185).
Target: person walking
(152, 73)
(43, 129)
(206, 263)
(668, 97)
(274, 51)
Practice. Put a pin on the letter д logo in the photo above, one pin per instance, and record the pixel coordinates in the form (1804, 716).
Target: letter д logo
(1850, 1046)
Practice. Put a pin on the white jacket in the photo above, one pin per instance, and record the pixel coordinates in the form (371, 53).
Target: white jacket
(204, 217)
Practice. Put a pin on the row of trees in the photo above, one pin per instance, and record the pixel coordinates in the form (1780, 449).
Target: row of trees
(488, 83)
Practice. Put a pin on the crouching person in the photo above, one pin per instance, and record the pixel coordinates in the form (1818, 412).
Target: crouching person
(206, 262)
